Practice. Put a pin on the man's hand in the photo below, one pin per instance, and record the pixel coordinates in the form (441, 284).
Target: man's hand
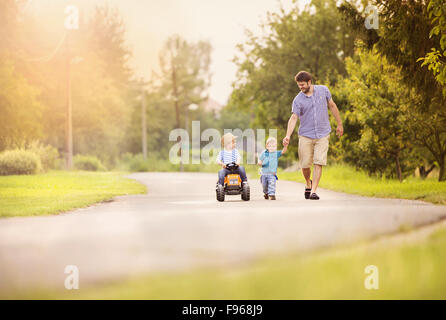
(340, 131)
(286, 141)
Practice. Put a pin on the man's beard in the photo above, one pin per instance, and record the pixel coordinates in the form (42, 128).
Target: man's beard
(305, 90)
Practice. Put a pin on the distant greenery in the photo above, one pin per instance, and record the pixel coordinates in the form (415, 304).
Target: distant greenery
(136, 163)
(436, 60)
(60, 191)
(426, 127)
(391, 106)
(345, 178)
(88, 163)
(406, 271)
(19, 162)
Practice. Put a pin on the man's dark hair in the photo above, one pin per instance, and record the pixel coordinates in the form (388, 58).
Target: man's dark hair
(303, 76)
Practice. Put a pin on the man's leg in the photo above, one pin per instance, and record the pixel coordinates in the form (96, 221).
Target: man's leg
(320, 160)
(306, 151)
(307, 175)
(317, 173)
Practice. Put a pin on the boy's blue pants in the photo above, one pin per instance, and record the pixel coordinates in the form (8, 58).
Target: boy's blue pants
(224, 172)
(269, 183)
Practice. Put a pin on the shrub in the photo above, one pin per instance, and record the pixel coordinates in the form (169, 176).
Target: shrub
(88, 163)
(136, 163)
(19, 161)
(49, 156)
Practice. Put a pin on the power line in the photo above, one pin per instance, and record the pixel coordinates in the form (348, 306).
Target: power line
(53, 54)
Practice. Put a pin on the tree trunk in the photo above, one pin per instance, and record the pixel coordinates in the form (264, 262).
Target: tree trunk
(442, 176)
(424, 173)
(398, 167)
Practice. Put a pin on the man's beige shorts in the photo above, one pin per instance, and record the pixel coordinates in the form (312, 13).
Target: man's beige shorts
(313, 151)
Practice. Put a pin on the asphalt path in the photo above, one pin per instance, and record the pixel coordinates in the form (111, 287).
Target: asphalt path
(179, 225)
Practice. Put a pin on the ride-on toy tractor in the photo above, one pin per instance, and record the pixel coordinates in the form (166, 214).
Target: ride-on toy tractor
(233, 185)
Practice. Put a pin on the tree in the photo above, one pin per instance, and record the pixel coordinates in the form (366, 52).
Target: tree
(435, 60)
(314, 39)
(185, 74)
(20, 109)
(403, 38)
(184, 80)
(382, 106)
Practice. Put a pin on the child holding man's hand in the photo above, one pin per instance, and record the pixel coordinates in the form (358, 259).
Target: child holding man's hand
(268, 160)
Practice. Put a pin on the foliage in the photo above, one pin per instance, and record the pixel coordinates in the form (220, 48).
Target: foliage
(17, 162)
(314, 39)
(88, 163)
(435, 60)
(49, 156)
(185, 74)
(382, 106)
(188, 63)
(101, 81)
(404, 37)
(20, 109)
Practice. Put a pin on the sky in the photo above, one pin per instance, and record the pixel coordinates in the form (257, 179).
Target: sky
(150, 22)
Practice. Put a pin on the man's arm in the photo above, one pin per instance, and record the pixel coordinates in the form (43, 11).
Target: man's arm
(334, 109)
(291, 125)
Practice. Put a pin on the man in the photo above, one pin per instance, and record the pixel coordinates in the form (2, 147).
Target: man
(310, 106)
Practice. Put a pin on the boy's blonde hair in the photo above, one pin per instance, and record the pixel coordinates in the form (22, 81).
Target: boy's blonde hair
(227, 139)
(271, 139)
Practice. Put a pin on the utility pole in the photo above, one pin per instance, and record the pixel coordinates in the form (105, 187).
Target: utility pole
(69, 114)
(144, 123)
(71, 24)
(177, 108)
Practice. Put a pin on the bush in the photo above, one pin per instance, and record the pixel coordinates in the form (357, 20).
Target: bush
(136, 163)
(19, 161)
(49, 156)
(88, 163)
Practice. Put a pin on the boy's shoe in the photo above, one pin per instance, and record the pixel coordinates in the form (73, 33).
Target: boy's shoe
(308, 190)
(314, 196)
(265, 195)
(272, 197)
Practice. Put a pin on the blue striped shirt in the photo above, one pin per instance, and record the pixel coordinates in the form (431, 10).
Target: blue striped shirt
(226, 156)
(313, 112)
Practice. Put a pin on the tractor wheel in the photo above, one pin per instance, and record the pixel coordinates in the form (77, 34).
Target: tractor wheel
(220, 193)
(245, 192)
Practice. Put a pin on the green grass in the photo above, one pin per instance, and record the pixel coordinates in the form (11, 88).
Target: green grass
(406, 271)
(346, 179)
(60, 191)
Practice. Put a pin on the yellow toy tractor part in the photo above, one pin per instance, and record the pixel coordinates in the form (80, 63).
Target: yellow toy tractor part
(233, 185)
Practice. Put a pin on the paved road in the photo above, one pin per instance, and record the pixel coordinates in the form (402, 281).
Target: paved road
(180, 225)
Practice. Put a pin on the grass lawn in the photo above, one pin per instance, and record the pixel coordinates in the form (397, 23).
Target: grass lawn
(406, 271)
(60, 191)
(346, 179)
